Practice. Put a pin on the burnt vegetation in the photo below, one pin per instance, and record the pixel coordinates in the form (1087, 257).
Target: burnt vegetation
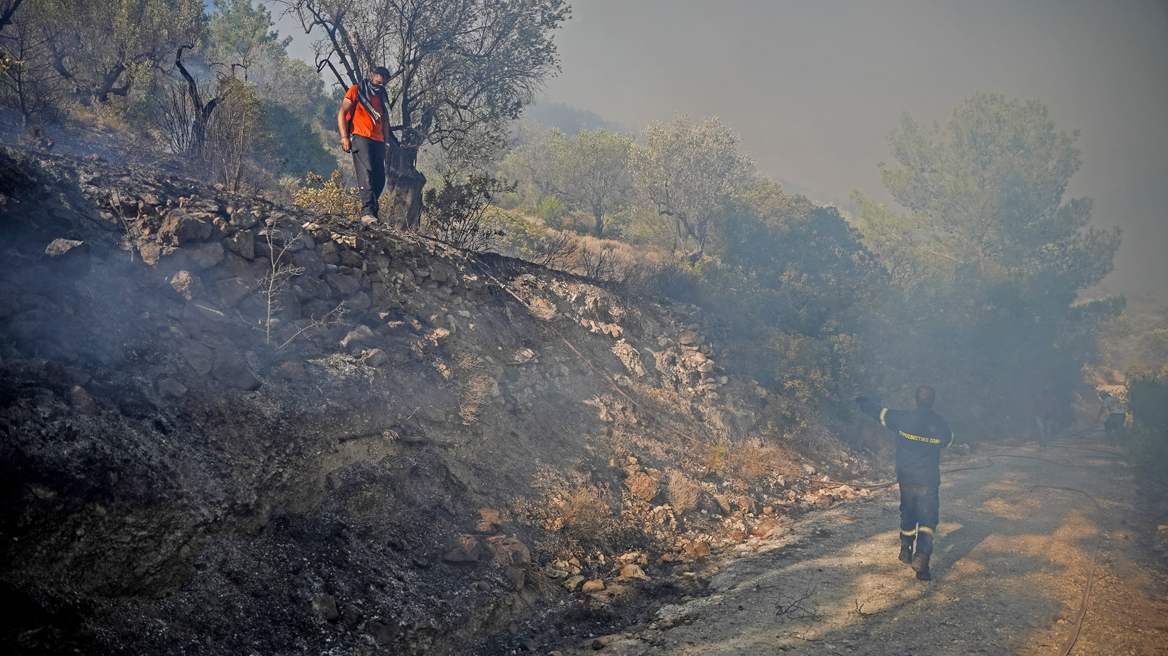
(562, 367)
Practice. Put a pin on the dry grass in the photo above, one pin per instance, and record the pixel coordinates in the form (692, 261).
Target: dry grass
(752, 460)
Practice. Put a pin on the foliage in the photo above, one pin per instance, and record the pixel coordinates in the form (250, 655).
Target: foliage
(687, 171)
(105, 48)
(461, 69)
(988, 265)
(237, 134)
(300, 149)
(590, 170)
(331, 196)
(454, 214)
(1147, 439)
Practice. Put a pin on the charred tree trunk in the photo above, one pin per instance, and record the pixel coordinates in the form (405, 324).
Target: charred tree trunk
(202, 112)
(403, 185)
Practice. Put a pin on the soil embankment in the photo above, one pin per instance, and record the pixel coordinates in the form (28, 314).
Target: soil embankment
(231, 427)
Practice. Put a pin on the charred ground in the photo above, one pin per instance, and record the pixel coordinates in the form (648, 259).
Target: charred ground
(394, 447)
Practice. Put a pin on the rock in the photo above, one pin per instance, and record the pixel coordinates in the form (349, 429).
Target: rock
(359, 303)
(169, 388)
(642, 486)
(187, 284)
(232, 290)
(81, 400)
(701, 548)
(351, 259)
(433, 415)
(706, 367)
(205, 256)
(468, 551)
(345, 285)
(150, 251)
(231, 369)
(325, 606)
(242, 243)
(199, 357)
(328, 253)
(809, 470)
(688, 338)
(574, 582)
(510, 551)
(517, 575)
(375, 358)
(358, 335)
(383, 633)
(632, 571)
(489, 520)
(556, 574)
(595, 585)
(292, 370)
(182, 228)
(69, 256)
(723, 503)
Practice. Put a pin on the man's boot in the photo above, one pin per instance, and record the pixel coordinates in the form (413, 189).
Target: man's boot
(920, 565)
(920, 562)
(906, 549)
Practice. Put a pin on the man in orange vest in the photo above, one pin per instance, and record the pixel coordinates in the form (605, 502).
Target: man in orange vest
(364, 125)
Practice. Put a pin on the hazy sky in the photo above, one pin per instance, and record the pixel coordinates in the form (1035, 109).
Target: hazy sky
(814, 87)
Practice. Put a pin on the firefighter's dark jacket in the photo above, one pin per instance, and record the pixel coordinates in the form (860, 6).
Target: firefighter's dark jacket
(920, 436)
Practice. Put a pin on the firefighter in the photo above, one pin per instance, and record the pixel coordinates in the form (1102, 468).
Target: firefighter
(1115, 416)
(920, 436)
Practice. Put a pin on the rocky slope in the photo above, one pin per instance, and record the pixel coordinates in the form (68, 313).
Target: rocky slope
(232, 427)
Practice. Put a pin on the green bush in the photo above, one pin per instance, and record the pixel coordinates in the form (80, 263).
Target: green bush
(1147, 438)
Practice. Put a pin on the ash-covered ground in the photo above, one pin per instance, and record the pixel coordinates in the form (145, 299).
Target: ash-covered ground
(229, 426)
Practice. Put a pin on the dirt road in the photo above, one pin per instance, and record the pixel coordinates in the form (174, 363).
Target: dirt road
(1009, 573)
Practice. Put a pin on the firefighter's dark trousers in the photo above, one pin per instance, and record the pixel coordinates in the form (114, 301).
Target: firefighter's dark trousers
(369, 165)
(919, 509)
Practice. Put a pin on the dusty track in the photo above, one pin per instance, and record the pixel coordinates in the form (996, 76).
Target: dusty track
(1009, 572)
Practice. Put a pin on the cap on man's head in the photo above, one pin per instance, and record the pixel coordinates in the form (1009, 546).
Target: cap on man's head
(382, 71)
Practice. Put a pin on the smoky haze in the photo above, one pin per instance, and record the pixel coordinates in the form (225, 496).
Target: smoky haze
(814, 87)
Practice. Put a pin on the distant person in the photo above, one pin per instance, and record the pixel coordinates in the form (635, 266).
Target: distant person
(921, 434)
(364, 128)
(1115, 416)
(1046, 412)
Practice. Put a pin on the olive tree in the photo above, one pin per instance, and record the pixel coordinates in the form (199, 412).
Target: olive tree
(105, 48)
(460, 70)
(688, 170)
(590, 170)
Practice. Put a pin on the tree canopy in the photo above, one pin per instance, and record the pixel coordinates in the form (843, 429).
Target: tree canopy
(460, 70)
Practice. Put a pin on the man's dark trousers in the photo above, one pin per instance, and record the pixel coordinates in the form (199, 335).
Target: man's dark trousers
(369, 164)
(919, 505)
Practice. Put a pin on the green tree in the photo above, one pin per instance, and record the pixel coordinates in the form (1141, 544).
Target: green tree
(688, 170)
(987, 187)
(105, 48)
(590, 170)
(990, 259)
(460, 70)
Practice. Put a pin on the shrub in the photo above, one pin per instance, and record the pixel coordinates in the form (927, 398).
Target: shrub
(331, 197)
(455, 213)
(1147, 438)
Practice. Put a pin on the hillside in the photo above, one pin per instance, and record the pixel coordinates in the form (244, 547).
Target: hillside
(233, 427)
